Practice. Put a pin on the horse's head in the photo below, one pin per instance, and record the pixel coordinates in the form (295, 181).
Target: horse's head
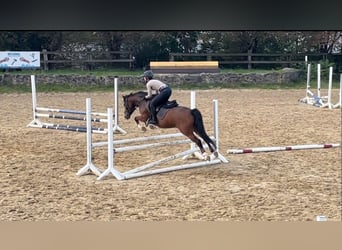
(129, 105)
(132, 101)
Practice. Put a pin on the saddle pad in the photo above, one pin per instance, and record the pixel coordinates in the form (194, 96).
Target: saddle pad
(161, 112)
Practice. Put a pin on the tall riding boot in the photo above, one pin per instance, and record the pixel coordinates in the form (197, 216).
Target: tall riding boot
(153, 117)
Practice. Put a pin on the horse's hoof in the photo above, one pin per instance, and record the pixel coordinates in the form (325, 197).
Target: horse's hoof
(142, 128)
(198, 155)
(205, 156)
(212, 157)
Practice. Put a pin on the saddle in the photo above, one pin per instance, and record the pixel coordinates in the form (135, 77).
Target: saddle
(163, 109)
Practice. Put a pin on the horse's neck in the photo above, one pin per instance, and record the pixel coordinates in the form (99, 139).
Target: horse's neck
(143, 105)
(140, 101)
(139, 97)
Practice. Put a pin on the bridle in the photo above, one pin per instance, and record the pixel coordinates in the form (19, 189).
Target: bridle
(131, 109)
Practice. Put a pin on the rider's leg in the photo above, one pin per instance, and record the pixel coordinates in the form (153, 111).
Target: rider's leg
(160, 99)
(153, 118)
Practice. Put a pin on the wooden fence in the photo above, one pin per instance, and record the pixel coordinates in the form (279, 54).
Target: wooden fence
(91, 60)
(251, 59)
(86, 60)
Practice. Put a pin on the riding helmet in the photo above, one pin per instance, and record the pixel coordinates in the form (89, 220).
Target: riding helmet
(148, 74)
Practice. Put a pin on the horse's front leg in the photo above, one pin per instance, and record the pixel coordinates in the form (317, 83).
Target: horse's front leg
(140, 121)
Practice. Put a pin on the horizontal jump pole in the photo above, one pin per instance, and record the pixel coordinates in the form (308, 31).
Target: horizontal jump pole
(152, 145)
(286, 148)
(65, 117)
(36, 109)
(139, 139)
(69, 111)
(64, 128)
(148, 138)
(142, 146)
(164, 160)
(173, 168)
(69, 128)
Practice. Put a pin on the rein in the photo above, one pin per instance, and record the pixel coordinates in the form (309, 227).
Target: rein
(137, 103)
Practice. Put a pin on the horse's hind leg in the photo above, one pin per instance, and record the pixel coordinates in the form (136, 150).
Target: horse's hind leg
(198, 142)
(211, 145)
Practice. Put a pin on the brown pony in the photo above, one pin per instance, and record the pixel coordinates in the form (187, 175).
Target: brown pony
(187, 121)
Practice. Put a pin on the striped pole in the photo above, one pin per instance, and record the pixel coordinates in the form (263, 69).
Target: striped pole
(69, 127)
(68, 111)
(65, 117)
(286, 148)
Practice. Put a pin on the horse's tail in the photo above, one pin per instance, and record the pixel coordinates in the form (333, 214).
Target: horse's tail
(200, 130)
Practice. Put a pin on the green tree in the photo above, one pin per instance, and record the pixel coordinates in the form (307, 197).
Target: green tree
(27, 40)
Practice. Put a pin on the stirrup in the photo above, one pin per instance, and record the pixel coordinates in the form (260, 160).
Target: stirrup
(152, 126)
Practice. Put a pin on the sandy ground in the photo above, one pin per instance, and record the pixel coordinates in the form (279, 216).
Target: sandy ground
(38, 167)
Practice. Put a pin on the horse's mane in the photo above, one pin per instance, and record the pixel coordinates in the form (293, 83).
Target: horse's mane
(140, 93)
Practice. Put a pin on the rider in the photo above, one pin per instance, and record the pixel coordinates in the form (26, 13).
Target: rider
(163, 93)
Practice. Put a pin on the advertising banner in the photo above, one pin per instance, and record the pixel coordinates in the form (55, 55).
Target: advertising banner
(19, 59)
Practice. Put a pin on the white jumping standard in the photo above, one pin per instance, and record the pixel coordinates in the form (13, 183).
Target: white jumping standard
(339, 103)
(318, 100)
(113, 147)
(44, 112)
(281, 148)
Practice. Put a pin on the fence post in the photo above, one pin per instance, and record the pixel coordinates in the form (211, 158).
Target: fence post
(249, 59)
(45, 59)
(131, 62)
(90, 65)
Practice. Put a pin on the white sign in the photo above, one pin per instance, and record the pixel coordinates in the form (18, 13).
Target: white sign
(19, 59)
(321, 218)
